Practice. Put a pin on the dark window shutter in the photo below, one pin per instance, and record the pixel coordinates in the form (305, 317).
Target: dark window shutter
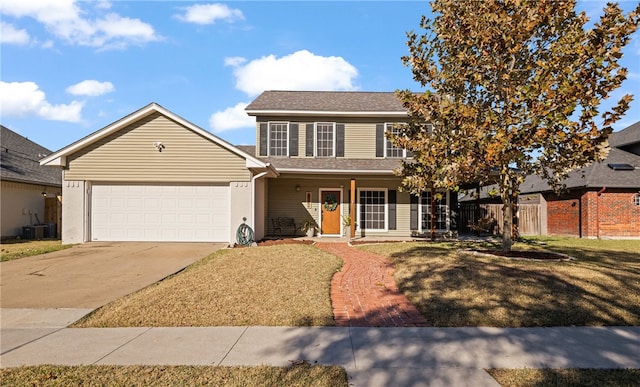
(392, 209)
(293, 139)
(309, 141)
(413, 211)
(263, 138)
(380, 140)
(339, 140)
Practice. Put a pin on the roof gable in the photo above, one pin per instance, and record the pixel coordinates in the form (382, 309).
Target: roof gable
(60, 157)
(20, 161)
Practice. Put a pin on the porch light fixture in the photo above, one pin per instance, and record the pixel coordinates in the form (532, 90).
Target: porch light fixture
(44, 194)
(297, 187)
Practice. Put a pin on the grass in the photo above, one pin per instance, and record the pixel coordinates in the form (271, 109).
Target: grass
(286, 285)
(298, 375)
(456, 289)
(566, 377)
(19, 248)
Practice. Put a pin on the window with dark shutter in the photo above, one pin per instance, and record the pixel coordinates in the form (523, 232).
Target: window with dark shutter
(391, 199)
(413, 212)
(339, 140)
(380, 140)
(293, 139)
(309, 141)
(263, 138)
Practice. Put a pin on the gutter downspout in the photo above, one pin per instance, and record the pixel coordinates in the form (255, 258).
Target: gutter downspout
(598, 211)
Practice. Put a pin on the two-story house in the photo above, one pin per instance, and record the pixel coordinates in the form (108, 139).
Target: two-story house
(320, 157)
(331, 153)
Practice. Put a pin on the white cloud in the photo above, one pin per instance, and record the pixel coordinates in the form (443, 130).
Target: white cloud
(231, 118)
(301, 70)
(65, 20)
(10, 35)
(209, 14)
(234, 61)
(21, 99)
(90, 88)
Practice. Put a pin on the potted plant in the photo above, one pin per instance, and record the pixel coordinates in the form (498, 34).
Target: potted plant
(346, 223)
(309, 228)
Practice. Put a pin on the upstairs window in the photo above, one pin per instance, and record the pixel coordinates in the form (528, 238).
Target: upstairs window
(325, 139)
(392, 150)
(278, 139)
(384, 146)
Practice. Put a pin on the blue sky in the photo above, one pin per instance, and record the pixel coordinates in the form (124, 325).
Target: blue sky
(69, 68)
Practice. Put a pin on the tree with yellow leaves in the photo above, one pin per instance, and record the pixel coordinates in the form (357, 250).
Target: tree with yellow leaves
(514, 88)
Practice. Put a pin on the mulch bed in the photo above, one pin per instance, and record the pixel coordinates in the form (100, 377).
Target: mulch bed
(536, 255)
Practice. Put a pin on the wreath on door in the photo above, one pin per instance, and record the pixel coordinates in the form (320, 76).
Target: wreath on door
(330, 203)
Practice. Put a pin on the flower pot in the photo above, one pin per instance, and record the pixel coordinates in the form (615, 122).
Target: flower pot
(310, 233)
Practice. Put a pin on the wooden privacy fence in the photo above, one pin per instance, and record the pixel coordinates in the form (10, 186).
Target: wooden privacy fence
(528, 217)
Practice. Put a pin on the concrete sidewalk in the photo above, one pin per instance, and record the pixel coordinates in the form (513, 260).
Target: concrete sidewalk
(371, 356)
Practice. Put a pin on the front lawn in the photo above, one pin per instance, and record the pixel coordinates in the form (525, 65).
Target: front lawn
(566, 377)
(285, 285)
(19, 248)
(92, 375)
(457, 289)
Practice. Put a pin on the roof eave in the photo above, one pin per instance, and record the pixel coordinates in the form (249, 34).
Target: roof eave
(322, 113)
(337, 171)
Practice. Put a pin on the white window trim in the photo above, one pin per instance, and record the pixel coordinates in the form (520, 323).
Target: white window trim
(387, 128)
(315, 138)
(269, 137)
(447, 194)
(386, 209)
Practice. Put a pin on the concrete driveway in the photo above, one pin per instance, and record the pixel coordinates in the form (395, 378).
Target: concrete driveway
(93, 274)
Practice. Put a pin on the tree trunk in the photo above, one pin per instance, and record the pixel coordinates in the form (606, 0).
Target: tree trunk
(507, 215)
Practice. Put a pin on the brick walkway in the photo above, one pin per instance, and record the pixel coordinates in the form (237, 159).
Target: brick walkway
(364, 293)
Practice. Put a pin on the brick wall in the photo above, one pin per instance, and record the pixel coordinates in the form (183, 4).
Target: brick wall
(612, 214)
(619, 217)
(563, 214)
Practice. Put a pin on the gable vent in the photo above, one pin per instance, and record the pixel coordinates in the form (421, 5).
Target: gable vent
(621, 167)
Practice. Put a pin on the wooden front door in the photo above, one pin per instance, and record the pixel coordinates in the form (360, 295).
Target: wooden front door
(330, 207)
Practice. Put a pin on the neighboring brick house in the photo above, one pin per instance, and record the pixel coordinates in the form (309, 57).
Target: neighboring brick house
(30, 192)
(601, 200)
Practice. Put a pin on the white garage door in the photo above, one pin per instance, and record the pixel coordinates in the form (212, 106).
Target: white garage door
(169, 213)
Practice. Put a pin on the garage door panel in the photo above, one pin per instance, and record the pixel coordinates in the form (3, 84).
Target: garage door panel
(159, 213)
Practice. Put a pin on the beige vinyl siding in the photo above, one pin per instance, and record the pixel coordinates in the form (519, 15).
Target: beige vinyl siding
(129, 155)
(284, 201)
(359, 133)
(360, 140)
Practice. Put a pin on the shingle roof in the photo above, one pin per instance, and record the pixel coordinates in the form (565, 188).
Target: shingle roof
(334, 165)
(20, 160)
(326, 101)
(596, 175)
(326, 164)
(627, 136)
